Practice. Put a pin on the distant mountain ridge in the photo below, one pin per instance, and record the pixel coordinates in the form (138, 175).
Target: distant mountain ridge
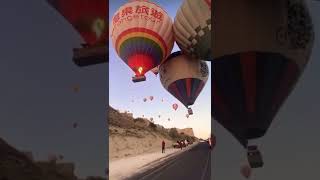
(126, 120)
(16, 165)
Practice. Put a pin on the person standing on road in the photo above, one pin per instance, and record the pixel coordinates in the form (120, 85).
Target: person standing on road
(180, 145)
(163, 146)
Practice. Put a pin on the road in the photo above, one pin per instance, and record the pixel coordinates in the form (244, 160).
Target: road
(194, 164)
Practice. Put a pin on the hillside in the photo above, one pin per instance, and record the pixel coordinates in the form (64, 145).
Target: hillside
(187, 131)
(16, 165)
(130, 136)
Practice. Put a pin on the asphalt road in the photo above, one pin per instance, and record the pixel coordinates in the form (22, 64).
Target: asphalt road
(193, 164)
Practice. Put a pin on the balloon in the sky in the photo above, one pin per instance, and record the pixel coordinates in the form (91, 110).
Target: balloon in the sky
(175, 106)
(192, 28)
(260, 51)
(76, 88)
(75, 125)
(184, 77)
(144, 99)
(151, 98)
(142, 35)
(168, 119)
(187, 115)
(159, 116)
(88, 18)
(245, 170)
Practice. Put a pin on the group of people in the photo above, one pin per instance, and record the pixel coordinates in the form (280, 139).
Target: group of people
(182, 143)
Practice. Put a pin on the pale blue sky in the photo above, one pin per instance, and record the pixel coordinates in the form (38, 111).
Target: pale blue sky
(122, 90)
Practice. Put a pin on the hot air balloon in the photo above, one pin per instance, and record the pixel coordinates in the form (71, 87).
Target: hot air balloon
(184, 77)
(192, 28)
(175, 106)
(76, 89)
(261, 49)
(75, 125)
(151, 98)
(245, 171)
(168, 119)
(88, 18)
(139, 37)
(187, 115)
(159, 116)
(144, 99)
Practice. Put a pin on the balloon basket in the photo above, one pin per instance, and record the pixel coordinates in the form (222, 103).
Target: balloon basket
(190, 112)
(90, 55)
(254, 157)
(138, 78)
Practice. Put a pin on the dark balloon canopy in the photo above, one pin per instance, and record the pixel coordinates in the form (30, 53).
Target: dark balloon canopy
(253, 79)
(184, 77)
(88, 18)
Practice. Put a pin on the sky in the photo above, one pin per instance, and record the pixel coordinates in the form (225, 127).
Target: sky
(38, 106)
(122, 90)
(291, 146)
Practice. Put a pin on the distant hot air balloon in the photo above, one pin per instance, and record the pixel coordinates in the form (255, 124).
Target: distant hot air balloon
(76, 89)
(168, 119)
(187, 115)
(159, 116)
(184, 77)
(139, 37)
(175, 106)
(260, 51)
(75, 125)
(245, 171)
(151, 98)
(88, 18)
(144, 99)
(192, 28)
